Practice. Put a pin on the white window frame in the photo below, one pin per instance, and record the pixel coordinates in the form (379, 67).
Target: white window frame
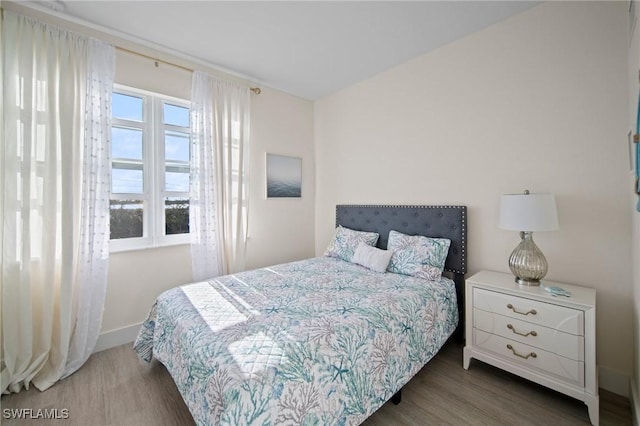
(153, 160)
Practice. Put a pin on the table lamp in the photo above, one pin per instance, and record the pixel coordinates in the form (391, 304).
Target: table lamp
(528, 213)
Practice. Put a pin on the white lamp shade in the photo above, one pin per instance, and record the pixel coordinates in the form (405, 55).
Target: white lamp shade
(528, 212)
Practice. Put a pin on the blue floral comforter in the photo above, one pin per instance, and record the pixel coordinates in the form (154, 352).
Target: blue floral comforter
(320, 341)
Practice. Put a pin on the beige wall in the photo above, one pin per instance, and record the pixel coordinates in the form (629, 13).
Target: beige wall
(279, 230)
(538, 101)
(634, 89)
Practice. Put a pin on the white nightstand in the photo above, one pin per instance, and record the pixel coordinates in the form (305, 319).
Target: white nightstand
(527, 331)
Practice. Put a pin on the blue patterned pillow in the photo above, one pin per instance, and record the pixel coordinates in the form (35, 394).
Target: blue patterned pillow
(345, 242)
(418, 256)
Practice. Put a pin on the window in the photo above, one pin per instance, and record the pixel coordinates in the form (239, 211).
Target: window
(150, 155)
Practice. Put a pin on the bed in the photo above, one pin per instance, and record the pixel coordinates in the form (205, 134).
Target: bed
(319, 341)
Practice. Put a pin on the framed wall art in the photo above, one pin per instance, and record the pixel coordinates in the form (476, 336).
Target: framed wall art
(284, 176)
(636, 148)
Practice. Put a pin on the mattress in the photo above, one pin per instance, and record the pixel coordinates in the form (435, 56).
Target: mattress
(319, 341)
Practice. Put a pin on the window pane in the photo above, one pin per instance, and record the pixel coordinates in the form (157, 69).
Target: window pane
(126, 107)
(176, 146)
(126, 143)
(126, 218)
(176, 213)
(127, 178)
(176, 115)
(176, 179)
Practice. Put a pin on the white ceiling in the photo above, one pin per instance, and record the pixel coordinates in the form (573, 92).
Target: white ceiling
(305, 48)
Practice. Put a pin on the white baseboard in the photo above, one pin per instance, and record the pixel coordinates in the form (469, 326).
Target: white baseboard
(635, 403)
(120, 336)
(613, 381)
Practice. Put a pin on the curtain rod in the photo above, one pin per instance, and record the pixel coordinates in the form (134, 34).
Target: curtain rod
(255, 90)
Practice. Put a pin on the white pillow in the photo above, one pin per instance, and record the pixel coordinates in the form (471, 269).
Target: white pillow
(371, 257)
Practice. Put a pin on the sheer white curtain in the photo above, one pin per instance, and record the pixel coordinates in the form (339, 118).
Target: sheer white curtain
(219, 157)
(55, 205)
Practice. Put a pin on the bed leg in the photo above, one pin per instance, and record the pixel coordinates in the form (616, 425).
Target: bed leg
(397, 397)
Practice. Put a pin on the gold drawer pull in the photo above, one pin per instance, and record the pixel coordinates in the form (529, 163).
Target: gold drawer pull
(532, 311)
(532, 354)
(533, 333)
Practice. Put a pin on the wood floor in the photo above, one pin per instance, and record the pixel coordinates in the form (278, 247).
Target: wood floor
(116, 388)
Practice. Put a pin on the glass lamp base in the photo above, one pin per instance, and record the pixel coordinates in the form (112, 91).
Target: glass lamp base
(527, 262)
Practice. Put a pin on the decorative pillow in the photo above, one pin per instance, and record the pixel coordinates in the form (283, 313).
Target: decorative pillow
(418, 256)
(345, 242)
(372, 258)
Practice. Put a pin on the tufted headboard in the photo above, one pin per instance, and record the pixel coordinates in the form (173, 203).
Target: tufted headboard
(431, 221)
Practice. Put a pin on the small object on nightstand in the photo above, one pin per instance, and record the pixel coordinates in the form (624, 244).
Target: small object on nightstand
(556, 291)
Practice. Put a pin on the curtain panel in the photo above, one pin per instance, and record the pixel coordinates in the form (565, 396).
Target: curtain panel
(218, 187)
(55, 202)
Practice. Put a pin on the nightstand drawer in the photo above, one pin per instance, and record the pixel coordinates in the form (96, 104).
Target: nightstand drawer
(546, 314)
(549, 339)
(530, 357)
